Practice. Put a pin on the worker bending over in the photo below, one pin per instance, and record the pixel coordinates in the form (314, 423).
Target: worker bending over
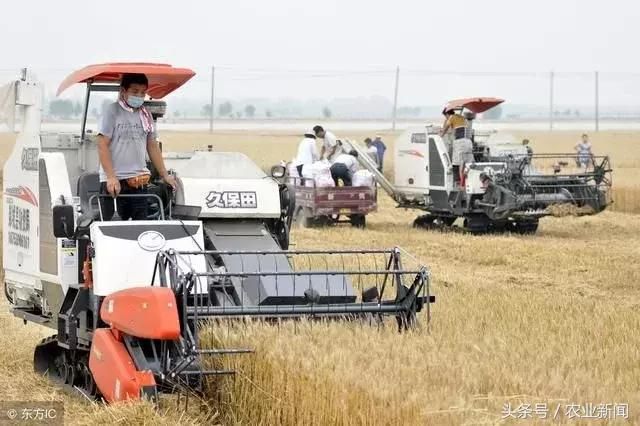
(344, 167)
(330, 145)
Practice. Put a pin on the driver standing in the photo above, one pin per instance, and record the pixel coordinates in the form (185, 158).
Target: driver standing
(126, 134)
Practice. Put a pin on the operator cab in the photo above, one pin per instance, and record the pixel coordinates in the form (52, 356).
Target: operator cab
(80, 151)
(469, 108)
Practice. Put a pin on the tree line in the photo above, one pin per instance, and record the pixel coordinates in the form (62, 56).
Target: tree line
(67, 109)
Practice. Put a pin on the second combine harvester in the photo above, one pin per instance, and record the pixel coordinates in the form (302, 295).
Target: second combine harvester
(507, 188)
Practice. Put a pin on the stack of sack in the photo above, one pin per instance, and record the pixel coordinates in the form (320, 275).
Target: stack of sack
(307, 175)
(362, 178)
(321, 174)
(292, 170)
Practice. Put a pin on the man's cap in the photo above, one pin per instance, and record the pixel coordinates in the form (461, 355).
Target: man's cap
(310, 134)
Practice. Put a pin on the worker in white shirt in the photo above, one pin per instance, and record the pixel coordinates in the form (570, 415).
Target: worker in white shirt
(307, 152)
(330, 145)
(372, 152)
(344, 166)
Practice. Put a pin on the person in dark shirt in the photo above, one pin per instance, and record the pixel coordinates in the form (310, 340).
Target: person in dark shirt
(381, 148)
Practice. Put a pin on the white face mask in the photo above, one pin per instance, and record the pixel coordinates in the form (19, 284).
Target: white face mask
(135, 101)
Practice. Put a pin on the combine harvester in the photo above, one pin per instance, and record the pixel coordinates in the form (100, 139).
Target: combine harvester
(506, 187)
(128, 300)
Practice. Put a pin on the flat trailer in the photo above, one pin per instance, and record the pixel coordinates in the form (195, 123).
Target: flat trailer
(323, 206)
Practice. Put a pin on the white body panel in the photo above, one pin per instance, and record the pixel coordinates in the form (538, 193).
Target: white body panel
(124, 259)
(415, 170)
(225, 185)
(473, 185)
(444, 153)
(64, 250)
(503, 145)
(20, 239)
(228, 198)
(411, 162)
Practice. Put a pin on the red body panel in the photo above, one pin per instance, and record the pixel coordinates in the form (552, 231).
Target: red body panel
(163, 78)
(337, 200)
(147, 312)
(477, 105)
(113, 370)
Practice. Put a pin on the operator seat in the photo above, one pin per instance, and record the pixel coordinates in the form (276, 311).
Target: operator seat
(88, 186)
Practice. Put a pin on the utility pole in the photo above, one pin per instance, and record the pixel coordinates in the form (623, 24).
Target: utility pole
(395, 99)
(213, 84)
(597, 102)
(551, 100)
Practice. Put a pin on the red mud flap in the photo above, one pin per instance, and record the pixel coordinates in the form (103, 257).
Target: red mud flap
(113, 370)
(146, 312)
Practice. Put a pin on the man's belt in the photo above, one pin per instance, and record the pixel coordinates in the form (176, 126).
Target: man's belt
(139, 181)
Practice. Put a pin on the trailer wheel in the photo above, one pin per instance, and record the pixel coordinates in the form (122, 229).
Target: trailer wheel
(358, 220)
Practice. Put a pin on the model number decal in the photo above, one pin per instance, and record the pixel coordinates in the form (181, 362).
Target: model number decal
(232, 200)
(30, 158)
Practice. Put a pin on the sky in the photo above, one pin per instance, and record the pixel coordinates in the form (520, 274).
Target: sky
(333, 49)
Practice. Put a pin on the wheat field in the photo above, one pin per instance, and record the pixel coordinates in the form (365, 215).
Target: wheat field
(551, 318)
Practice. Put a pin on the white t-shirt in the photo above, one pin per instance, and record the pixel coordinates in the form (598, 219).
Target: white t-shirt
(348, 160)
(373, 153)
(307, 153)
(584, 148)
(329, 140)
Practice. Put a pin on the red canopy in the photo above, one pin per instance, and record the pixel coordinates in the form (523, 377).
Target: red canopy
(163, 78)
(476, 105)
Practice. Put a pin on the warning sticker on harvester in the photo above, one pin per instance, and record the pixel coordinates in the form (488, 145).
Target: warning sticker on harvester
(68, 243)
(69, 259)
